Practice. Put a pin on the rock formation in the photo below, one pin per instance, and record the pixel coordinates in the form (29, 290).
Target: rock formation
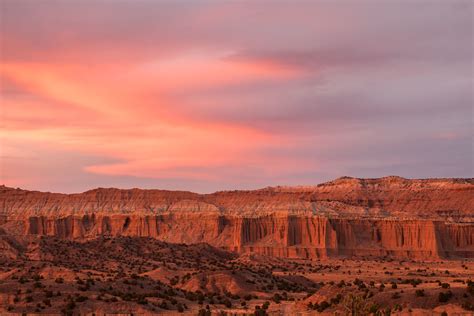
(391, 216)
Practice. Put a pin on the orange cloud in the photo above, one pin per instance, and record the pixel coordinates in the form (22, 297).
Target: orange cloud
(121, 111)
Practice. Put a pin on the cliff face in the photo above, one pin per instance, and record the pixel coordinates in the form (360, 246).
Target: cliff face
(419, 219)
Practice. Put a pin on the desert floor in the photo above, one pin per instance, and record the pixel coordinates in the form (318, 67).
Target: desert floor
(145, 277)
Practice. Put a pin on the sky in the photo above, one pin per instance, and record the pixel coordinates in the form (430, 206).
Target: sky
(219, 95)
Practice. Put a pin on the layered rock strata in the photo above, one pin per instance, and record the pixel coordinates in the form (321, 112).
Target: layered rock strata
(392, 216)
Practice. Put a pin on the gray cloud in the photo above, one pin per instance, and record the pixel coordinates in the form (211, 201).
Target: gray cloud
(385, 87)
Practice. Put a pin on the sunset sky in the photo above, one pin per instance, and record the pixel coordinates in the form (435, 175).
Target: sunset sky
(207, 96)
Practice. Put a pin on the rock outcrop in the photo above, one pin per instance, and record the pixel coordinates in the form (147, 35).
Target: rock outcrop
(392, 216)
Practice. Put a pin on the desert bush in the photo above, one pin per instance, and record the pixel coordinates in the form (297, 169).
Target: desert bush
(373, 309)
(81, 299)
(336, 300)
(204, 312)
(470, 287)
(413, 282)
(227, 303)
(277, 298)
(445, 296)
(469, 306)
(420, 293)
(71, 305)
(322, 306)
(355, 305)
(266, 305)
(260, 311)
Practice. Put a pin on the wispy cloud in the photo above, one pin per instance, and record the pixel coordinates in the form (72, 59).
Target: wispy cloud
(207, 95)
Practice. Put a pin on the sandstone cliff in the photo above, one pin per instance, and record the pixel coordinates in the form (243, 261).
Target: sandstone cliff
(420, 219)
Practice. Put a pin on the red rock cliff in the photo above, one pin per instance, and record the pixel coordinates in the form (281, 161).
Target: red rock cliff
(419, 219)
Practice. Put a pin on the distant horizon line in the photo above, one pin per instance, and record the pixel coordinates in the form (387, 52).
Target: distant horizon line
(248, 190)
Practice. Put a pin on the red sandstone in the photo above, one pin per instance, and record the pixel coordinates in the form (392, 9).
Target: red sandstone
(418, 219)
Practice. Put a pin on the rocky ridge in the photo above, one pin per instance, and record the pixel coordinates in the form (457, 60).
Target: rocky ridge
(391, 216)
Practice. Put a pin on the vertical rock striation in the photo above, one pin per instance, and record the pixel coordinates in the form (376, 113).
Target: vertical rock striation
(418, 219)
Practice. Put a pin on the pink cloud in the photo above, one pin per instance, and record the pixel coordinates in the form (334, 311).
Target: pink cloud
(104, 112)
(233, 92)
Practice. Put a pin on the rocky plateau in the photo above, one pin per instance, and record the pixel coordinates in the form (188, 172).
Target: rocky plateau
(348, 217)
